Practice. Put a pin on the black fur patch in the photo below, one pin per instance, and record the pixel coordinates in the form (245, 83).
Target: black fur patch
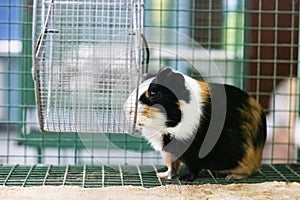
(167, 138)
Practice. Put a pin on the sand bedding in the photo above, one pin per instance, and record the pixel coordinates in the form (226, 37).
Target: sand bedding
(268, 190)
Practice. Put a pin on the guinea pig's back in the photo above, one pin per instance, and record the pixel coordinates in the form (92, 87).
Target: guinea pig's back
(246, 113)
(242, 140)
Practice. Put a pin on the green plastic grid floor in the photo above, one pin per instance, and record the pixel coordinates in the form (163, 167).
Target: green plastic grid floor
(94, 176)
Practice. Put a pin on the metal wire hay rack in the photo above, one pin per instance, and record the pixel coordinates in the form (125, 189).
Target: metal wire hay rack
(86, 60)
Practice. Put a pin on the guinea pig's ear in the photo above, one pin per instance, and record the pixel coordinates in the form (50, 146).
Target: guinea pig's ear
(171, 79)
(174, 82)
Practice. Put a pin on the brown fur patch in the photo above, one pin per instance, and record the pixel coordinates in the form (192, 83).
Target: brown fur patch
(251, 114)
(179, 104)
(149, 111)
(147, 94)
(204, 90)
(250, 163)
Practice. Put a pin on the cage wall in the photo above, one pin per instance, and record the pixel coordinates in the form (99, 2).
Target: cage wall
(252, 44)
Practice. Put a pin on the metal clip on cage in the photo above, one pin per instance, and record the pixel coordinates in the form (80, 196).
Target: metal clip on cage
(87, 60)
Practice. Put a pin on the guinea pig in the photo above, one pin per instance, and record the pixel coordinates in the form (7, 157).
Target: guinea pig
(174, 113)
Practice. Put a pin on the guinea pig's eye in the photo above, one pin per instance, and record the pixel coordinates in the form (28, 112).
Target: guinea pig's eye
(153, 93)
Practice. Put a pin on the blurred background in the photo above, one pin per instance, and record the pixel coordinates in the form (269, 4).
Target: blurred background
(254, 44)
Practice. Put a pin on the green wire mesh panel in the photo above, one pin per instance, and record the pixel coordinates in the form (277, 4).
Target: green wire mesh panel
(86, 60)
(95, 176)
(254, 44)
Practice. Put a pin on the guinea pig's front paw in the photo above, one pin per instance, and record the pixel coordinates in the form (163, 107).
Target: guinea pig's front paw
(164, 175)
(189, 177)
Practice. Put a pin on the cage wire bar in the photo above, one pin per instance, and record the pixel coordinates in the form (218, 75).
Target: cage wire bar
(254, 44)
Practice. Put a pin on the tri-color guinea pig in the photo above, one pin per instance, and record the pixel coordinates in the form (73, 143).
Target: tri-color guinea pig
(174, 113)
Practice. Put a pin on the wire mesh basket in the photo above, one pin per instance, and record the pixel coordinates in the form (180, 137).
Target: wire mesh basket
(86, 62)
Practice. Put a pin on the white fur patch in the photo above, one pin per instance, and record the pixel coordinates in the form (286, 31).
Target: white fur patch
(151, 129)
(154, 136)
(191, 112)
